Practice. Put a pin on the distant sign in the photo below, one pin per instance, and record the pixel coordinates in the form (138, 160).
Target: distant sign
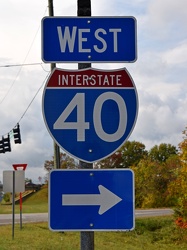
(89, 39)
(19, 166)
(8, 181)
(90, 113)
(91, 200)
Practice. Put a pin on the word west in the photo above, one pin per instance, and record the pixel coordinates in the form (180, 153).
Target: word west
(67, 39)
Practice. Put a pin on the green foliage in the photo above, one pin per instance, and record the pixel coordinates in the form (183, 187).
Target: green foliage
(37, 203)
(152, 224)
(6, 197)
(178, 188)
(162, 152)
(28, 180)
(40, 196)
(65, 162)
(114, 161)
(183, 147)
(153, 180)
(149, 233)
(128, 155)
(160, 173)
(154, 171)
(132, 153)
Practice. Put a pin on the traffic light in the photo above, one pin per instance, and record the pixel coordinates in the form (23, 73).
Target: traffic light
(6, 144)
(2, 146)
(17, 135)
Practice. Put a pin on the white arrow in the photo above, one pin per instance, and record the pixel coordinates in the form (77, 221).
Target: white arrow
(106, 199)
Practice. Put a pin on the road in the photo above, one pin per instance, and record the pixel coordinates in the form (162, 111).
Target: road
(153, 212)
(43, 217)
(26, 218)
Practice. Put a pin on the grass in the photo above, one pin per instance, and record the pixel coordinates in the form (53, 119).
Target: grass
(37, 203)
(151, 233)
(158, 233)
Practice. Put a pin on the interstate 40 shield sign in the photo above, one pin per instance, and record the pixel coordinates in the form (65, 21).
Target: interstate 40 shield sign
(90, 113)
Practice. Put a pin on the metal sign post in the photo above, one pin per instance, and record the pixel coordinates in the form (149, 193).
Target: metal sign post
(86, 238)
(20, 167)
(13, 203)
(14, 182)
(53, 65)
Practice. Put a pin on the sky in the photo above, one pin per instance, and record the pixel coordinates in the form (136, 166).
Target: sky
(159, 74)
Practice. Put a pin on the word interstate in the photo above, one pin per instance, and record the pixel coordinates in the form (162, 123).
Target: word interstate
(86, 80)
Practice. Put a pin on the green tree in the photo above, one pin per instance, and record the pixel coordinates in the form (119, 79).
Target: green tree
(143, 182)
(178, 188)
(132, 152)
(183, 147)
(65, 162)
(113, 161)
(27, 180)
(162, 152)
(128, 155)
(153, 180)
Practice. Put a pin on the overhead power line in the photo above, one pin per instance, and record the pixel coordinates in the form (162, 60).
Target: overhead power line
(23, 62)
(34, 97)
(19, 65)
(29, 103)
(5, 142)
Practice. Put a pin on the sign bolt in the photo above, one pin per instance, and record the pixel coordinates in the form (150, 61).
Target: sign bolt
(91, 224)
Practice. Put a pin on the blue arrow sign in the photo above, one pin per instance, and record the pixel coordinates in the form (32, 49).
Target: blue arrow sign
(89, 39)
(91, 200)
(90, 113)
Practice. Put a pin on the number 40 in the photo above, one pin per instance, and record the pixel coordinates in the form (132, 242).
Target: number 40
(81, 125)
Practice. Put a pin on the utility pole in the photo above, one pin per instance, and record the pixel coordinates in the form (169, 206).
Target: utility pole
(87, 238)
(53, 65)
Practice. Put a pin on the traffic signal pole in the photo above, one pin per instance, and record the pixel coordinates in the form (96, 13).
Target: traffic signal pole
(87, 238)
(53, 65)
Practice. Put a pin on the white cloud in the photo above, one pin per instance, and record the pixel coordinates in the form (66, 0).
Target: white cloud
(167, 19)
(176, 55)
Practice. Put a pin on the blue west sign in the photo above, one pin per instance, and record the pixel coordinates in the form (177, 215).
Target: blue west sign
(90, 113)
(89, 39)
(91, 200)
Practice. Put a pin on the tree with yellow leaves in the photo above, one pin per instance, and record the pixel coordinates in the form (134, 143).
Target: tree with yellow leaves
(178, 188)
